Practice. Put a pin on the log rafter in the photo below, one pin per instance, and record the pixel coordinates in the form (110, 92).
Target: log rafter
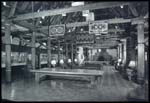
(69, 10)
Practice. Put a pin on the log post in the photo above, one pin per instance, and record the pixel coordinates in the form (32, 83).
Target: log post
(58, 52)
(141, 52)
(8, 52)
(72, 63)
(124, 51)
(66, 51)
(33, 52)
(49, 51)
(72, 52)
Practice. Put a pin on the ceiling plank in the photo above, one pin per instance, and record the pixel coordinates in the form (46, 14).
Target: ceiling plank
(23, 6)
(93, 6)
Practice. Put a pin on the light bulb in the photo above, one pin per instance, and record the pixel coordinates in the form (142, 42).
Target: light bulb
(43, 17)
(75, 60)
(121, 6)
(53, 62)
(4, 3)
(61, 61)
(69, 60)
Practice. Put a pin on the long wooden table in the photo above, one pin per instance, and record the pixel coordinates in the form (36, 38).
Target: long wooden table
(93, 75)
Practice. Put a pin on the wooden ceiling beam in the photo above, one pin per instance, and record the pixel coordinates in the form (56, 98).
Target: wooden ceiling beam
(13, 8)
(29, 26)
(78, 24)
(100, 5)
(133, 10)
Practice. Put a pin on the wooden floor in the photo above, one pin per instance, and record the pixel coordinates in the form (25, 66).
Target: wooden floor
(112, 88)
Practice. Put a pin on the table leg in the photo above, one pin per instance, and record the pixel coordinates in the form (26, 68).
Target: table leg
(37, 77)
(93, 80)
(53, 84)
(100, 81)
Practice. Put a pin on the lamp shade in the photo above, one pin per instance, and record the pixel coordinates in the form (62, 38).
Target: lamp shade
(132, 64)
(53, 62)
(99, 50)
(119, 60)
(61, 61)
(75, 60)
(69, 60)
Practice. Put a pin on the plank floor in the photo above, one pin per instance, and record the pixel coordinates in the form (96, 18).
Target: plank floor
(112, 88)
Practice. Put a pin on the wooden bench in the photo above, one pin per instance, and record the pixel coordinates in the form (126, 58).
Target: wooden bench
(93, 75)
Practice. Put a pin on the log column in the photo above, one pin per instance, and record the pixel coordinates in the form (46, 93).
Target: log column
(118, 52)
(124, 51)
(49, 51)
(33, 52)
(66, 51)
(33, 49)
(72, 53)
(91, 54)
(141, 51)
(39, 61)
(75, 50)
(8, 52)
(121, 49)
(58, 52)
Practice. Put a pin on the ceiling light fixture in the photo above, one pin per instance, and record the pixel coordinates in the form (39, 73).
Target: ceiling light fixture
(64, 14)
(77, 3)
(40, 22)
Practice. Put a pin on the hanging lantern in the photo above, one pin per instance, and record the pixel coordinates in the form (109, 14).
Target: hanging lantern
(57, 30)
(98, 27)
(132, 64)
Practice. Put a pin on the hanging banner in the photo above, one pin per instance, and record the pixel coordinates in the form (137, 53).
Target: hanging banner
(56, 30)
(98, 27)
(82, 38)
(85, 12)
